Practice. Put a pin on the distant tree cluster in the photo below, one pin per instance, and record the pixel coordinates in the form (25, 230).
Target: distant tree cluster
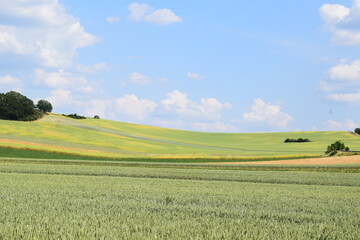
(335, 147)
(15, 106)
(357, 131)
(299, 140)
(74, 115)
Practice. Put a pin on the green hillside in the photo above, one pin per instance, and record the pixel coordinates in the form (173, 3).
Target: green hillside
(104, 138)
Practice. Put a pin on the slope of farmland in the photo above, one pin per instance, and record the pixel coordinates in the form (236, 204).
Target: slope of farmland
(106, 138)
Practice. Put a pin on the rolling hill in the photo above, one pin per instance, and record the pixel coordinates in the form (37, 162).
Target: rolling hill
(105, 138)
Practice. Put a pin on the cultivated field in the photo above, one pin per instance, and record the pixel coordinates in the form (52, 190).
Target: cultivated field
(66, 199)
(96, 179)
(104, 138)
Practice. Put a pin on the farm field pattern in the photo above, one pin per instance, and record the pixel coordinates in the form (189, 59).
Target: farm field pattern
(106, 138)
(80, 201)
(99, 179)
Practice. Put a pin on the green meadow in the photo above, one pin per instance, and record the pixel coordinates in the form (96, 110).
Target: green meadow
(109, 139)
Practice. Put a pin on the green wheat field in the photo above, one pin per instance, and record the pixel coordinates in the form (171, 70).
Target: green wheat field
(62, 178)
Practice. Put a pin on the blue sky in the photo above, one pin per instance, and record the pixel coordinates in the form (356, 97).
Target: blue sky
(238, 66)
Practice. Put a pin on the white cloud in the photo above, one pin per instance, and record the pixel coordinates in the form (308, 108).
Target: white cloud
(42, 30)
(112, 19)
(136, 108)
(162, 17)
(143, 12)
(342, 22)
(267, 113)
(345, 97)
(347, 125)
(61, 97)
(98, 67)
(8, 80)
(343, 82)
(202, 116)
(195, 76)
(179, 103)
(137, 78)
(214, 127)
(138, 11)
(346, 72)
(100, 107)
(327, 87)
(63, 79)
(334, 13)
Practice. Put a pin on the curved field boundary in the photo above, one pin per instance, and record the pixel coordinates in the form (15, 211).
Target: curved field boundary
(306, 161)
(87, 126)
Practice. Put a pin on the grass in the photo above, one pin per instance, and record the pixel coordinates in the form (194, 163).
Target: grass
(79, 201)
(108, 139)
(62, 178)
(278, 175)
(11, 152)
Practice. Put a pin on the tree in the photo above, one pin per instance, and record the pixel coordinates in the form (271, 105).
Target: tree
(336, 146)
(14, 106)
(357, 130)
(44, 106)
(96, 117)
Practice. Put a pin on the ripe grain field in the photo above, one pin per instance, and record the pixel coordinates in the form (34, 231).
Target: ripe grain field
(82, 200)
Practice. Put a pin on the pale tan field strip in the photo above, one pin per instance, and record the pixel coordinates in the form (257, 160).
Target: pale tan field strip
(306, 161)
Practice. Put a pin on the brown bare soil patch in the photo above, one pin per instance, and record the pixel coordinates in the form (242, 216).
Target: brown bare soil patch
(307, 161)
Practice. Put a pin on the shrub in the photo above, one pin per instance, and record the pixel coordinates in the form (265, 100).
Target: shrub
(336, 146)
(96, 117)
(357, 130)
(14, 106)
(297, 140)
(75, 116)
(333, 153)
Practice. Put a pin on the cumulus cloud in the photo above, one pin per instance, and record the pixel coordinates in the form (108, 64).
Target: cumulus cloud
(62, 79)
(112, 19)
(342, 22)
(194, 76)
(204, 115)
(334, 13)
(268, 113)
(214, 127)
(10, 81)
(347, 125)
(343, 82)
(346, 72)
(42, 30)
(143, 12)
(179, 103)
(100, 107)
(61, 97)
(350, 98)
(59, 79)
(134, 107)
(128, 107)
(137, 78)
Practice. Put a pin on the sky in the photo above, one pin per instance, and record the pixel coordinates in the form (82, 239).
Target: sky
(233, 66)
